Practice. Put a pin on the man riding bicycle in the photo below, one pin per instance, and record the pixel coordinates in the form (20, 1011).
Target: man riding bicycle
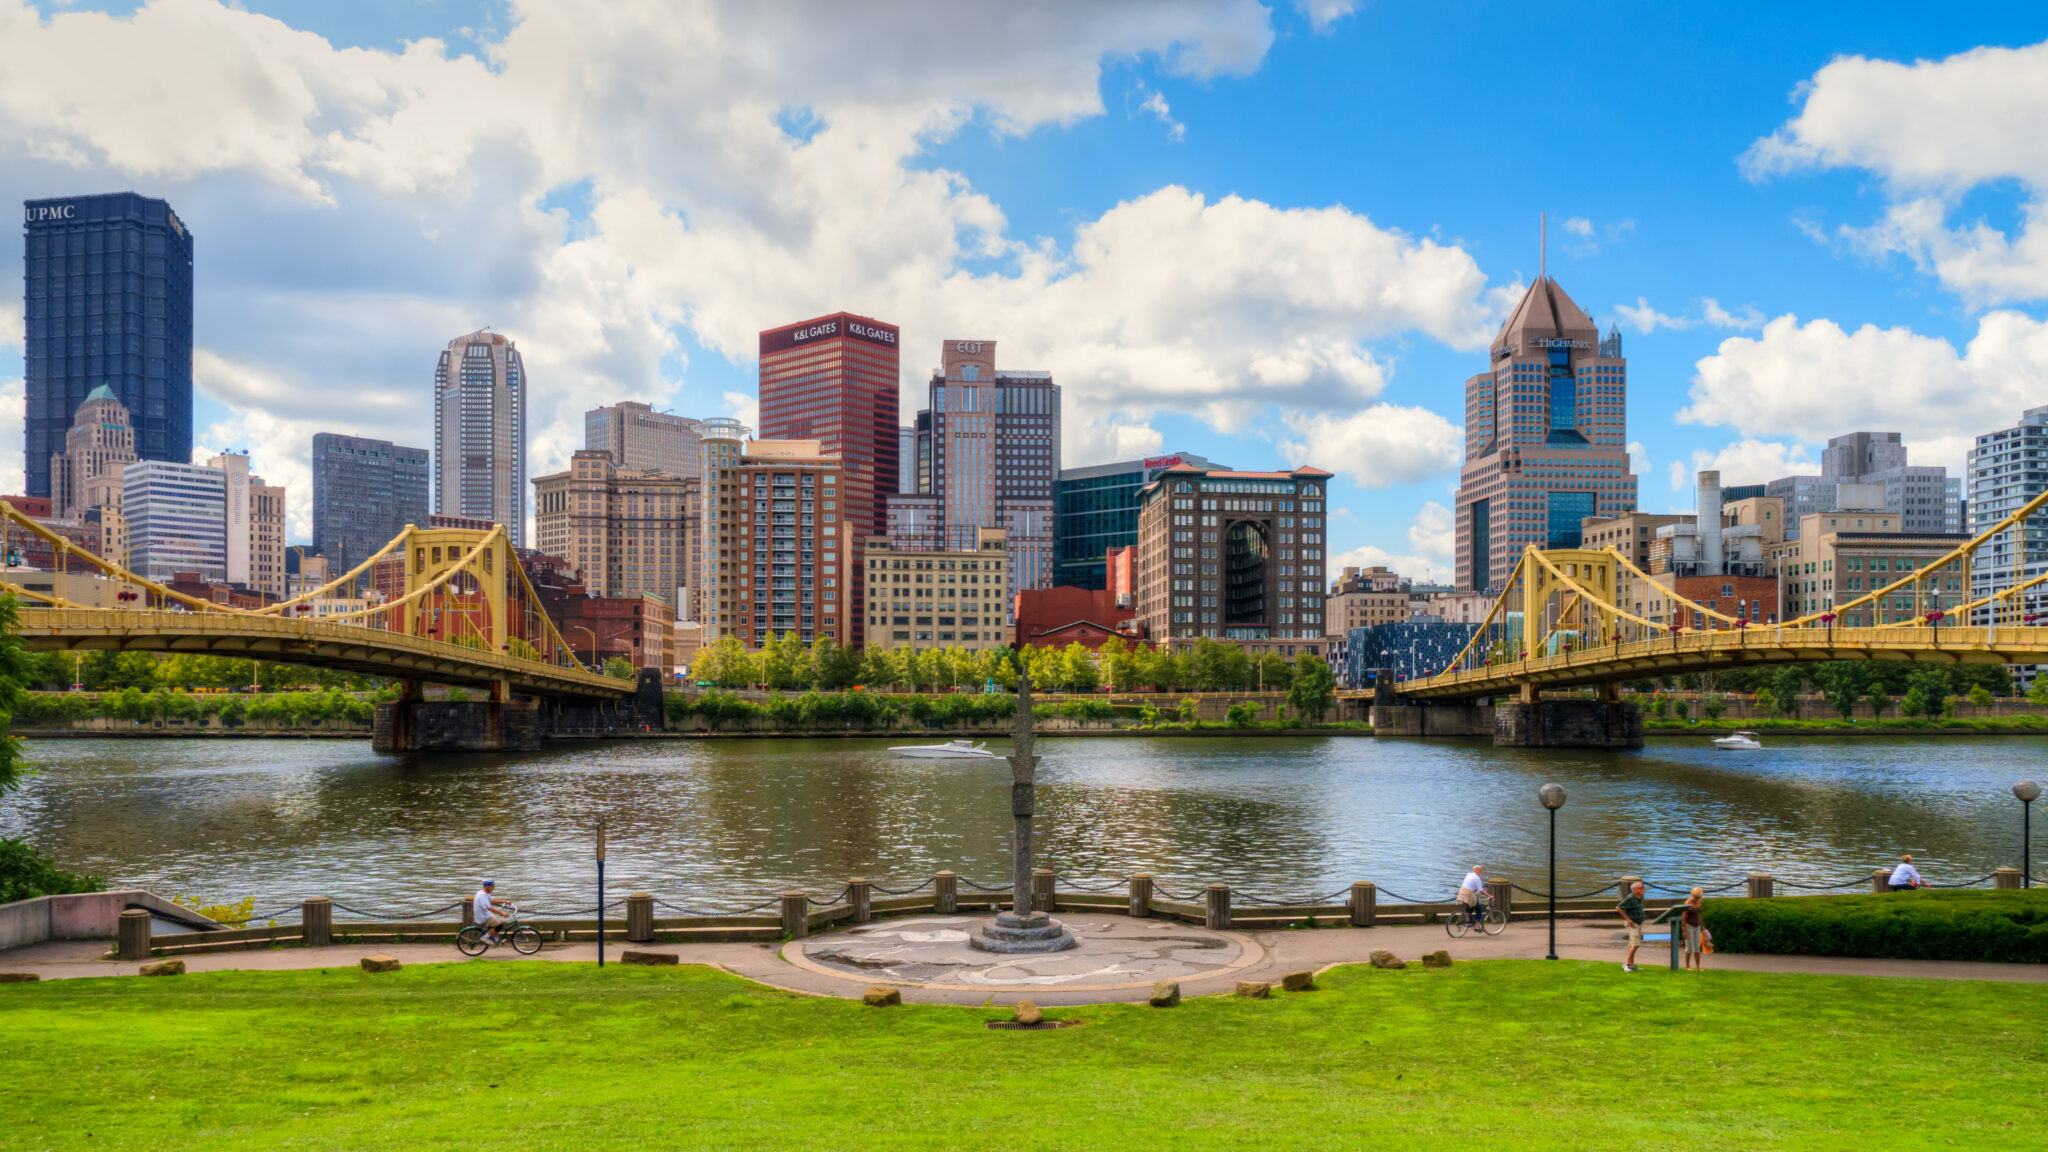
(1472, 894)
(486, 912)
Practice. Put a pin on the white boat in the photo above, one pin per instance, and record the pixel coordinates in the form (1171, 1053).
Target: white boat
(950, 750)
(1738, 742)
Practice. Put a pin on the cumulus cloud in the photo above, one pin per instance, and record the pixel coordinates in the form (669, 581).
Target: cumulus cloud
(1933, 131)
(1646, 319)
(1378, 447)
(604, 182)
(1323, 15)
(1584, 237)
(1748, 319)
(1748, 461)
(1816, 375)
(1430, 540)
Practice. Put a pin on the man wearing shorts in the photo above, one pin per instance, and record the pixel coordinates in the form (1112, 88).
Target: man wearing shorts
(1631, 911)
(486, 913)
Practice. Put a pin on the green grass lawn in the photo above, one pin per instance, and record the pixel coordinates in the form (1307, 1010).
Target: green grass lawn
(1508, 1053)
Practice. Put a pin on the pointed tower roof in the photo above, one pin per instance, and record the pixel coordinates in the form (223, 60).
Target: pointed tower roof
(1546, 313)
(101, 393)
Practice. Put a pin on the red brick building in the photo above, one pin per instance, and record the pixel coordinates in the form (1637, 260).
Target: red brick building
(1055, 617)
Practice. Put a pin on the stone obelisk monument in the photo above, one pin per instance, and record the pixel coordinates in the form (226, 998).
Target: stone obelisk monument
(1022, 929)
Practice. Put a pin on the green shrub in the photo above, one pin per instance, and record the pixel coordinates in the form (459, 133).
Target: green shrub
(26, 873)
(2009, 926)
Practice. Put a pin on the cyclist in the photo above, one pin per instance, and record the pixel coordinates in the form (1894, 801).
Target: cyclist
(1472, 893)
(485, 912)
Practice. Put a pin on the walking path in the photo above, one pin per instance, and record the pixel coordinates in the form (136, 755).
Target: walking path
(1131, 953)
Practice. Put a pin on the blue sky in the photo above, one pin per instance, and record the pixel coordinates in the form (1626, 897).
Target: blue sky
(1260, 234)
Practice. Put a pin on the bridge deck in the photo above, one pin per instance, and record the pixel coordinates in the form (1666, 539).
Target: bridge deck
(1751, 647)
(346, 647)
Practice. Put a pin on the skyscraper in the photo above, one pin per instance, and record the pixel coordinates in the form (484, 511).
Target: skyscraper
(1546, 437)
(108, 301)
(177, 519)
(837, 380)
(252, 526)
(365, 492)
(1233, 556)
(784, 542)
(713, 556)
(2008, 468)
(642, 440)
(1926, 497)
(1096, 509)
(480, 432)
(995, 456)
(626, 531)
(100, 442)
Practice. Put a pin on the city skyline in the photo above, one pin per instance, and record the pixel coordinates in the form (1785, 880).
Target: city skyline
(1748, 340)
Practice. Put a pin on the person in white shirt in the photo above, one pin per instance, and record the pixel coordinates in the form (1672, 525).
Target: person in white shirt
(485, 912)
(1472, 893)
(1905, 877)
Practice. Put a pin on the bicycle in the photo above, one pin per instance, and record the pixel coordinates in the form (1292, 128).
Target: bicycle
(1483, 916)
(524, 938)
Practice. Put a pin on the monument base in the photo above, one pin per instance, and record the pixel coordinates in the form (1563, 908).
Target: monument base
(1014, 935)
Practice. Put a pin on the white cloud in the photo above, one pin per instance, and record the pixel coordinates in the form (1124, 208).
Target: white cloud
(1823, 381)
(1747, 461)
(1323, 15)
(1933, 130)
(357, 208)
(1584, 237)
(11, 330)
(1646, 319)
(1155, 103)
(1431, 537)
(1378, 447)
(744, 407)
(1639, 458)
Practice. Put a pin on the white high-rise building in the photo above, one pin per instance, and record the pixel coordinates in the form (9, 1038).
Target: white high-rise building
(480, 432)
(721, 445)
(2007, 468)
(177, 519)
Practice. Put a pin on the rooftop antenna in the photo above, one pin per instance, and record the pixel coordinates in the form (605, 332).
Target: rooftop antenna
(1542, 245)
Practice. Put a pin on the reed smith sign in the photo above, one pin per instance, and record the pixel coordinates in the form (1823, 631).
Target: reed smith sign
(797, 335)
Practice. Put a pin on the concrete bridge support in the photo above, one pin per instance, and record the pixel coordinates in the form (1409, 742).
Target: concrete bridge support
(1448, 719)
(414, 724)
(1567, 724)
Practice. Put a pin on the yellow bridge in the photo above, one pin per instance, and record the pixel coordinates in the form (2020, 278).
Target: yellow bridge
(1573, 619)
(465, 615)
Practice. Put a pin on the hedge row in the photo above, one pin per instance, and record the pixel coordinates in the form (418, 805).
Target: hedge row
(2004, 926)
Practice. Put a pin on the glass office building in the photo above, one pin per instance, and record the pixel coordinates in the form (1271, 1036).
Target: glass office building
(107, 300)
(365, 492)
(1096, 509)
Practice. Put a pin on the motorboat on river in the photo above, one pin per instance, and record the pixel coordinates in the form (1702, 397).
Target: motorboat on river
(950, 750)
(1738, 742)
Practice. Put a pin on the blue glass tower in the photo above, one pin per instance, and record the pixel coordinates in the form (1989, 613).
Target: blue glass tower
(107, 300)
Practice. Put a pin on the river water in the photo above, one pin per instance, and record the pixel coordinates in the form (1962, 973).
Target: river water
(710, 824)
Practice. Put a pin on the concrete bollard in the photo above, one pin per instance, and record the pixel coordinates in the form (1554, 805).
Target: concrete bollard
(468, 913)
(1365, 903)
(1880, 880)
(1141, 894)
(132, 935)
(639, 917)
(860, 893)
(316, 922)
(1762, 885)
(2005, 877)
(1041, 890)
(945, 893)
(1217, 911)
(796, 915)
(1502, 892)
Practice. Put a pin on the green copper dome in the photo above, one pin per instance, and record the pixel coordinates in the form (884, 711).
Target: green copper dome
(101, 393)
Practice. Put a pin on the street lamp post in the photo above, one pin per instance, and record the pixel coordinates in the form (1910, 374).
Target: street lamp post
(2028, 792)
(593, 643)
(1552, 798)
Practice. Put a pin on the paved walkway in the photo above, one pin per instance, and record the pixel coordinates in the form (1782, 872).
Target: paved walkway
(1264, 956)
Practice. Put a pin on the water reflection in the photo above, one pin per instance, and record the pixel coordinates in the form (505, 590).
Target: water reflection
(719, 822)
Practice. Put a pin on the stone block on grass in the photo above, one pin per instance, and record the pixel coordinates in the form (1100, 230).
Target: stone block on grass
(1027, 1013)
(1165, 994)
(651, 959)
(880, 997)
(18, 977)
(1381, 958)
(1298, 982)
(1255, 989)
(1437, 959)
(163, 968)
(380, 963)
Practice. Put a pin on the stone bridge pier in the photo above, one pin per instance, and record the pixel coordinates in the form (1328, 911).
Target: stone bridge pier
(1533, 722)
(413, 723)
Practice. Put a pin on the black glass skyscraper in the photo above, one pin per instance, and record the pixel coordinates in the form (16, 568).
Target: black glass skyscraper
(107, 300)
